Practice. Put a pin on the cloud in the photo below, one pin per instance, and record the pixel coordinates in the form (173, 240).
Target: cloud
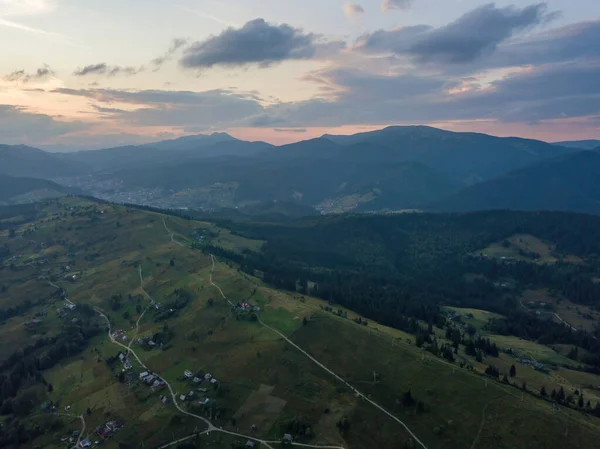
(289, 130)
(549, 92)
(41, 74)
(26, 7)
(257, 42)
(389, 5)
(176, 44)
(182, 109)
(352, 10)
(19, 125)
(105, 69)
(472, 36)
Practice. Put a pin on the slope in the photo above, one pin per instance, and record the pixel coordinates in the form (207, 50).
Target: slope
(466, 158)
(568, 183)
(15, 190)
(581, 144)
(21, 160)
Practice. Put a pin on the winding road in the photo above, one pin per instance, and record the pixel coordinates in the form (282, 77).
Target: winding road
(211, 427)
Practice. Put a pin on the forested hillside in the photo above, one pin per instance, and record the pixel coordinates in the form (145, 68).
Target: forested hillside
(395, 267)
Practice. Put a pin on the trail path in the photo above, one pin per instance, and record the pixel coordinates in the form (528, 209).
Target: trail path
(358, 393)
(171, 233)
(550, 313)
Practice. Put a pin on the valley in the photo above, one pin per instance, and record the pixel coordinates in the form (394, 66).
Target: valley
(392, 169)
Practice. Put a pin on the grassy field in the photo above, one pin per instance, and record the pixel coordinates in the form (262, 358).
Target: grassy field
(263, 380)
(475, 317)
(523, 246)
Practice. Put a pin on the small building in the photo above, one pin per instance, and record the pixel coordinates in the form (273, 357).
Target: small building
(149, 380)
(182, 398)
(121, 356)
(204, 390)
(85, 443)
(164, 400)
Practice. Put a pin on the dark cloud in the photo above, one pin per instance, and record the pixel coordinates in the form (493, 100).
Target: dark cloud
(389, 5)
(107, 110)
(18, 125)
(353, 9)
(257, 42)
(176, 44)
(472, 36)
(561, 44)
(544, 93)
(41, 74)
(108, 70)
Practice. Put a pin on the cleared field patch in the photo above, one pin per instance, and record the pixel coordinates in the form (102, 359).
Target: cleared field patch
(527, 247)
(261, 408)
(476, 317)
(530, 349)
(576, 315)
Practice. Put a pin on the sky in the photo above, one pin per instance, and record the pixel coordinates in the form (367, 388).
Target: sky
(84, 74)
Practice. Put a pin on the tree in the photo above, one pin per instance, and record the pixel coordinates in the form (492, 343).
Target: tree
(121, 377)
(561, 395)
(89, 411)
(126, 315)
(513, 371)
(407, 399)
(580, 401)
(543, 392)
(50, 388)
(172, 262)
(11, 233)
(304, 321)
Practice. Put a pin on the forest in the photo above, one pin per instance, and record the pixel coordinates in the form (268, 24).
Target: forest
(392, 268)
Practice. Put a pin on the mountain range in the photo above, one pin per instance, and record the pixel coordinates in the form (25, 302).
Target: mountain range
(395, 168)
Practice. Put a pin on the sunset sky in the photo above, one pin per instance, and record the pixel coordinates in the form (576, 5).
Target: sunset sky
(81, 74)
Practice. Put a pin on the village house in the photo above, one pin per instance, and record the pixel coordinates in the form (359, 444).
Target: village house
(204, 401)
(187, 373)
(197, 380)
(182, 398)
(250, 444)
(144, 374)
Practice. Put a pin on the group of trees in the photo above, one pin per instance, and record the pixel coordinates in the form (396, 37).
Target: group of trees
(22, 371)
